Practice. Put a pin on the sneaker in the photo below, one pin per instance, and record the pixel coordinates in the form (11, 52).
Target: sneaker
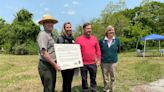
(106, 90)
(113, 87)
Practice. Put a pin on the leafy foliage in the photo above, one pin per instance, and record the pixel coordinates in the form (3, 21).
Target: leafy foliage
(130, 24)
(20, 35)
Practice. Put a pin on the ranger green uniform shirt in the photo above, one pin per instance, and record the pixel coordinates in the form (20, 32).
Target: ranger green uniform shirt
(46, 41)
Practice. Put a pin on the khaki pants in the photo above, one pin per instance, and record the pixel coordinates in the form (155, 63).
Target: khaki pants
(108, 69)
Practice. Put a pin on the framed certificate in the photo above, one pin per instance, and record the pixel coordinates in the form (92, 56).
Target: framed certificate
(68, 56)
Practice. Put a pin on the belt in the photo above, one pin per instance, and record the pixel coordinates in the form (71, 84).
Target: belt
(45, 62)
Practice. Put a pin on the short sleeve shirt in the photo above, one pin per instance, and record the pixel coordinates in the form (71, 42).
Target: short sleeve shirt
(46, 41)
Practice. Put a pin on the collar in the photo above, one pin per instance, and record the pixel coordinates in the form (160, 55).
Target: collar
(106, 38)
(48, 32)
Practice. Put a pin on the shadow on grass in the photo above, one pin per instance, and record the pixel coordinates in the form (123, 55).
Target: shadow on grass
(78, 89)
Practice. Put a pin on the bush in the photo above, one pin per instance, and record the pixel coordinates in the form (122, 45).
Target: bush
(6, 48)
(19, 49)
(32, 48)
(26, 48)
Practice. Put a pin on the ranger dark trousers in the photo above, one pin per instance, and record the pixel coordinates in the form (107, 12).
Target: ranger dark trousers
(67, 76)
(47, 75)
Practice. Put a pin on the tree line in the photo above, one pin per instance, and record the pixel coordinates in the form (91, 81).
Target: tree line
(130, 24)
(19, 37)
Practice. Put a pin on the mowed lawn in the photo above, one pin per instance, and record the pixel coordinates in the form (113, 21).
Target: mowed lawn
(18, 73)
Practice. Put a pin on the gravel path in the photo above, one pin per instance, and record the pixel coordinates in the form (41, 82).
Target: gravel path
(156, 86)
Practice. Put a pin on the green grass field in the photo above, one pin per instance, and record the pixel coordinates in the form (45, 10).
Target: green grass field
(20, 74)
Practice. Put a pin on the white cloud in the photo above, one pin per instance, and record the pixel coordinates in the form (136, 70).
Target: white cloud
(66, 5)
(75, 2)
(15, 9)
(71, 12)
(70, 8)
(42, 4)
(63, 12)
(40, 13)
(46, 9)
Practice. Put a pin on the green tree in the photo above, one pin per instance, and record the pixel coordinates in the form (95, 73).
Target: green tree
(78, 32)
(143, 2)
(4, 29)
(130, 24)
(23, 33)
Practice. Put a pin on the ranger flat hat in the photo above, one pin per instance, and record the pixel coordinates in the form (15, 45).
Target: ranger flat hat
(47, 18)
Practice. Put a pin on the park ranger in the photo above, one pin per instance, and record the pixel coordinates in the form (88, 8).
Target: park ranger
(47, 61)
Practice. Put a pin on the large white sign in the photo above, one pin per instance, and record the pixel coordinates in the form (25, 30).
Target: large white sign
(68, 56)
